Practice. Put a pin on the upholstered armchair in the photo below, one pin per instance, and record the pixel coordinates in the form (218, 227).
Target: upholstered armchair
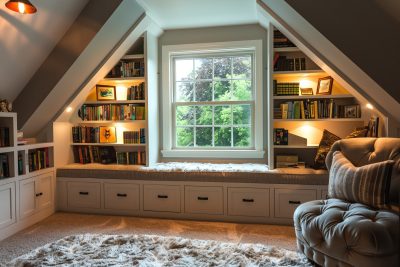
(358, 225)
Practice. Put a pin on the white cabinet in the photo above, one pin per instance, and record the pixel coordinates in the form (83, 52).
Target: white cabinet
(7, 204)
(84, 195)
(162, 198)
(204, 199)
(36, 193)
(287, 200)
(121, 196)
(248, 202)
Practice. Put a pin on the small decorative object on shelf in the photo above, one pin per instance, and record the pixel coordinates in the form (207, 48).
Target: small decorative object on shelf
(352, 111)
(5, 106)
(373, 127)
(325, 86)
(287, 161)
(306, 91)
(105, 92)
(281, 136)
(107, 134)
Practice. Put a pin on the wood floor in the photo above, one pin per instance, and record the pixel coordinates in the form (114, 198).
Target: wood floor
(60, 225)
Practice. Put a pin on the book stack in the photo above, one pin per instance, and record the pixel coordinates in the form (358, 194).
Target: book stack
(281, 40)
(4, 169)
(131, 158)
(136, 92)
(20, 164)
(315, 109)
(135, 137)
(112, 112)
(132, 68)
(281, 136)
(286, 88)
(281, 63)
(39, 159)
(4, 136)
(84, 134)
(94, 154)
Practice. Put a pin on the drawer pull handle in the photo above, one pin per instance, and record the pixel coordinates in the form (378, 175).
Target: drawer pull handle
(39, 194)
(162, 196)
(248, 200)
(83, 193)
(121, 195)
(202, 198)
(294, 202)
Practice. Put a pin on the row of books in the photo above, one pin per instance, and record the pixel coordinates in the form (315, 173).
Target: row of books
(281, 40)
(281, 63)
(135, 137)
(131, 158)
(133, 68)
(136, 92)
(288, 88)
(4, 136)
(39, 159)
(316, 109)
(4, 167)
(281, 136)
(85, 134)
(112, 112)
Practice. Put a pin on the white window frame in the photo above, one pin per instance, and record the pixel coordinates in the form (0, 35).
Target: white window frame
(170, 51)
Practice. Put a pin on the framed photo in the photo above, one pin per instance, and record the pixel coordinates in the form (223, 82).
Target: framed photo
(306, 91)
(105, 92)
(351, 111)
(107, 134)
(324, 86)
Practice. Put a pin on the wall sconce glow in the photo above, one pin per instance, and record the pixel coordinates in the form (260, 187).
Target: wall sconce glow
(21, 6)
(68, 109)
(121, 92)
(305, 84)
(369, 106)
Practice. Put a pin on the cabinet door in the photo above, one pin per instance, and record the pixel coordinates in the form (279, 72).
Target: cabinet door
(27, 195)
(44, 190)
(7, 204)
(121, 196)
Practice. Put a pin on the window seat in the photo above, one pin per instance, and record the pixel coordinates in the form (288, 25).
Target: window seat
(244, 173)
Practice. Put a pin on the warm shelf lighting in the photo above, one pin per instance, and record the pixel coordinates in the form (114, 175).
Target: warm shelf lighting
(369, 106)
(21, 6)
(68, 109)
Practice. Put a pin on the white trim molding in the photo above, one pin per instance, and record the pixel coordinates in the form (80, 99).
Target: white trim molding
(170, 51)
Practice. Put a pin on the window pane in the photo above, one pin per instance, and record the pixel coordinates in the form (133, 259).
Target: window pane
(203, 68)
(241, 136)
(222, 90)
(184, 91)
(184, 136)
(222, 115)
(203, 136)
(204, 115)
(241, 90)
(183, 69)
(242, 67)
(222, 68)
(203, 91)
(241, 114)
(184, 115)
(222, 136)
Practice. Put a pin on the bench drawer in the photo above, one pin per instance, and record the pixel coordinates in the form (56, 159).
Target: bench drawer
(121, 196)
(204, 199)
(84, 195)
(287, 200)
(248, 202)
(162, 198)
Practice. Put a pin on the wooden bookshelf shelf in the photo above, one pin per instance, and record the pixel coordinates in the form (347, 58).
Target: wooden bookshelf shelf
(327, 119)
(103, 121)
(115, 102)
(124, 79)
(136, 56)
(286, 49)
(278, 74)
(108, 144)
(296, 146)
(305, 97)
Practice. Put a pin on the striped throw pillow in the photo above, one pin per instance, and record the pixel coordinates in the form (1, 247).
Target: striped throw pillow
(368, 184)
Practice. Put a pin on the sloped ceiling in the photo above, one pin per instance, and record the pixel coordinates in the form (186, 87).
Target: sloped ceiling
(26, 40)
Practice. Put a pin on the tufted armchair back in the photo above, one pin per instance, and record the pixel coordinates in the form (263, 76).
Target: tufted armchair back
(363, 151)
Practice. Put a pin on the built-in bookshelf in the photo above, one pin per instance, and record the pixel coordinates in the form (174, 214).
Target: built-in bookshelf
(305, 102)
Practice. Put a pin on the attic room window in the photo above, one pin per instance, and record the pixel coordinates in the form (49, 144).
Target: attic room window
(212, 100)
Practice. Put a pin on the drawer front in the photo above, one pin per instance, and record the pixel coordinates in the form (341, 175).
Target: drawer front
(287, 200)
(84, 195)
(121, 196)
(162, 198)
(248, 202)
(204, 199)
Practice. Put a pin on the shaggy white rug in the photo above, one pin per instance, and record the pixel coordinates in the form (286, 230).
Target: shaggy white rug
(208, 167)
(145, 250)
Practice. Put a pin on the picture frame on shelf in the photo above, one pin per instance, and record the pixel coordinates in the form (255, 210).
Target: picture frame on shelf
(108, 134)
(105, 92)
(351, 111)
(306, 91)
(325, 86)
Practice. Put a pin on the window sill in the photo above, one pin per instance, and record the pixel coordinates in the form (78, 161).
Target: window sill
(226, 154)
